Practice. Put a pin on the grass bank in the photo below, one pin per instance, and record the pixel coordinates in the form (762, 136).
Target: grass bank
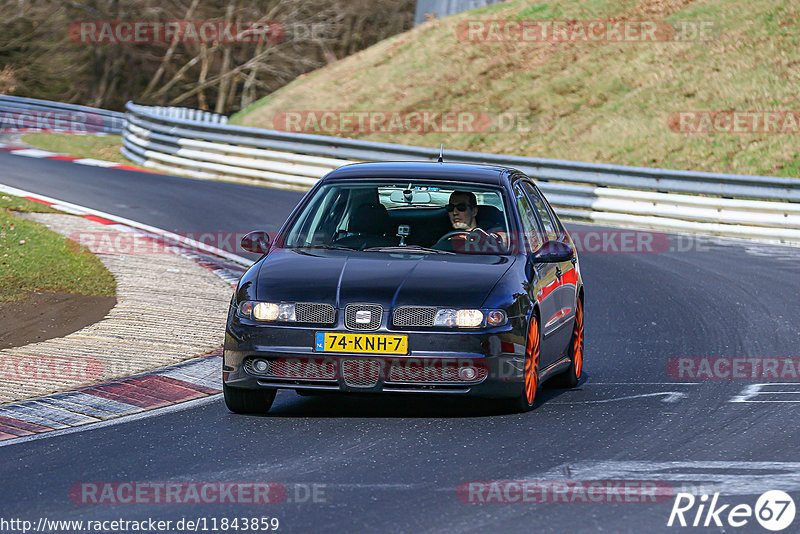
(33, 258)
(595, 101)
(103, 147)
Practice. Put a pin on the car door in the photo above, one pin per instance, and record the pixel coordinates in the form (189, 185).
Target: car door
(544, 280)
(566, 275)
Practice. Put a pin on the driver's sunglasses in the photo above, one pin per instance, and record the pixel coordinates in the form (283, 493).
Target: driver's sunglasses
(461, 206)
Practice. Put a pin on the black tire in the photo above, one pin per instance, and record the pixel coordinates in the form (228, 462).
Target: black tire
(248, 401)
(571, 377)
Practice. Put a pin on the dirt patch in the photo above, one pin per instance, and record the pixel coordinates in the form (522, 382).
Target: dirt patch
(46, 315)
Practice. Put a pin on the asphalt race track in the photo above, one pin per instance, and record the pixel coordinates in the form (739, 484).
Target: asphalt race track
(395, 465)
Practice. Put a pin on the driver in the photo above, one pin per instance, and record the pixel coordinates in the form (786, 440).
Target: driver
(463, 212)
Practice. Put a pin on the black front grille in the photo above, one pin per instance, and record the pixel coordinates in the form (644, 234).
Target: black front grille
(361, 373)
(363, 316)
(436, 374)
(307, 312)
(414, 316)
(292, 368)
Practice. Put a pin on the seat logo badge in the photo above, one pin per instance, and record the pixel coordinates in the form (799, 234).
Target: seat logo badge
(363, 317)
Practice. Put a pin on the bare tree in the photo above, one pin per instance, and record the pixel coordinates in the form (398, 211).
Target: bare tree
(45, 60)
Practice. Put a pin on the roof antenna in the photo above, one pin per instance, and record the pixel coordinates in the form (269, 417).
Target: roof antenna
(441, 154)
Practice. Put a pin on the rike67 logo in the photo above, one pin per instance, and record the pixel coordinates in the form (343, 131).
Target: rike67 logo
(774, 510)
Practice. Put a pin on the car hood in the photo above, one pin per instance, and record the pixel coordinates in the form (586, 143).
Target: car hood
(342, 277)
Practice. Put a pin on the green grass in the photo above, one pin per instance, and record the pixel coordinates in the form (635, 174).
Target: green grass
(33, 258)
(12, 203)
(597, 101)
(104, 147)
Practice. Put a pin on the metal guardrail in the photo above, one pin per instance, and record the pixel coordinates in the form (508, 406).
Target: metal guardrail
(18, 114)
(201, 144)
(190, 114)
(444, 8)
(760, 207)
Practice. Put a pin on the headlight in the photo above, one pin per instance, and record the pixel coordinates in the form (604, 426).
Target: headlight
(495, 317)
(445, 318)
(469, 318)
(267, 311)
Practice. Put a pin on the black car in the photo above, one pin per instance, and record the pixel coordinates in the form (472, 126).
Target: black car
(432, 278)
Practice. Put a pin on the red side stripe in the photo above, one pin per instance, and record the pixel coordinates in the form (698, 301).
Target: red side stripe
(137, 169)
(157, 386)
(188, 385)
(15, 431)
(137, 386)
(39, 200)
(24, 425)
(128, 394)
(100, 220)
(4, 436)
(570, 277)
(62, 157)
(145, 388)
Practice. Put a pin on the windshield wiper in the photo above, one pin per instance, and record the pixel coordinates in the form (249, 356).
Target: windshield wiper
(408, 248)
(328, 247)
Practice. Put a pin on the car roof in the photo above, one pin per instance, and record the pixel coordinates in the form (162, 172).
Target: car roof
(459, 172)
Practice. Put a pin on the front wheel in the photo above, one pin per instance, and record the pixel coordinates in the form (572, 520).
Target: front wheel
(526, 401)
(570, 377)
(248, 401)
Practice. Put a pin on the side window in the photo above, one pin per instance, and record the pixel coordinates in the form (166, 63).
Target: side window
(319, 219)
(550, 226)
(530, 228)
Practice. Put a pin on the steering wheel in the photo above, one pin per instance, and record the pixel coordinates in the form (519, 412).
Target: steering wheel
(450, 235)
(476, 237)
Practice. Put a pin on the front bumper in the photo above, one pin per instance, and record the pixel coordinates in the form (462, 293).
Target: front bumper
(486, 363)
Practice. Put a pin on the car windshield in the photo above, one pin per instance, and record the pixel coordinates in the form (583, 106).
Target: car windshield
(410, 215)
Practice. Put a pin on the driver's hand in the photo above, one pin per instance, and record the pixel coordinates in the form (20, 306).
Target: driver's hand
(476, 235)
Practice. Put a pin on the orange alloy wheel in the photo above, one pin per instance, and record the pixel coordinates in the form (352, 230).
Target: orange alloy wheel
(532, 361)
(577, 340)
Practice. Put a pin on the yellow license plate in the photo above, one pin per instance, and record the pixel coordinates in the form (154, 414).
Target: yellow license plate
(362, 343)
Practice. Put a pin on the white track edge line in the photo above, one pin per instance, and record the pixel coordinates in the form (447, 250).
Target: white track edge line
(152, 229)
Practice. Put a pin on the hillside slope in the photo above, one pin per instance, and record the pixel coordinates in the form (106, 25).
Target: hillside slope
(599, 101)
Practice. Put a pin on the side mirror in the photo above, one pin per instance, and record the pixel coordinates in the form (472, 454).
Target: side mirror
(256, 242)
(553, 252)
